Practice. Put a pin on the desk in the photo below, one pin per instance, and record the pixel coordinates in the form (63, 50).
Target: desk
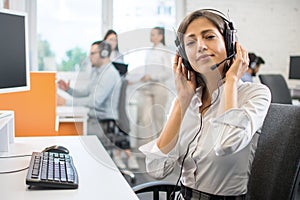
(99, 178)
(72, 115)
(295, 93)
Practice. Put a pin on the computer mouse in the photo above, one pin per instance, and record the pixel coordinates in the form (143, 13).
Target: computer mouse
(56, 149)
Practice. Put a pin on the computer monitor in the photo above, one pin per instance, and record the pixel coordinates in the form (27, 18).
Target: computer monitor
(14, 58)
(294, 72)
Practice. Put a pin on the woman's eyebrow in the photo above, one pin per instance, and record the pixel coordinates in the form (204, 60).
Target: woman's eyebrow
(192, 35)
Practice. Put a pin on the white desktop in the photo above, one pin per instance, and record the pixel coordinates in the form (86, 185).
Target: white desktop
(99, 178)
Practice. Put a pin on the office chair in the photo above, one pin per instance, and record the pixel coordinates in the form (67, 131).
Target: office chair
(157, 187)
(278, 87)
(275, 169)
(117, 130)
(276, 164)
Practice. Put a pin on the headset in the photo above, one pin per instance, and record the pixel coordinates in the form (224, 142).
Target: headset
(253, 63)
(104, 49)
(229, 37)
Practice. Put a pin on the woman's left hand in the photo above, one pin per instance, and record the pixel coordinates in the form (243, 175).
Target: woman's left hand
(146, 78)
(240, 63)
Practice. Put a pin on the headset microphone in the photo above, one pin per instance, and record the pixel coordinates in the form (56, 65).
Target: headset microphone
(215, 66)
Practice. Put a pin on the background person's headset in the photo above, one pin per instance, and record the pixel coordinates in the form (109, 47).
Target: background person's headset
(253, 60)
(104, 49)
(229, 37)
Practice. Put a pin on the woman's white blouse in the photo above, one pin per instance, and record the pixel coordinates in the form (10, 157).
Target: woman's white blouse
(158, 63)
(220, 155)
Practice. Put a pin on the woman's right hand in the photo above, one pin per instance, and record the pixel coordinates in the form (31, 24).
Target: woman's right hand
(185, 88)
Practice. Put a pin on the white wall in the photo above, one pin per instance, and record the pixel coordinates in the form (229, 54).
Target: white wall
(269, 28)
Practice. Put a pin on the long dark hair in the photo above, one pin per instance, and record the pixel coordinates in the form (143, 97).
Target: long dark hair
(216, 19)
(109, 32)
(161, 31)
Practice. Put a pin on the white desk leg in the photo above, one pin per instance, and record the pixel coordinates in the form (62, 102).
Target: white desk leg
(7, 130)
(57, 123)
(85, 126)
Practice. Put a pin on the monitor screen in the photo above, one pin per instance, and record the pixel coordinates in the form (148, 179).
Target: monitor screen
(294, 72)
(14, 63)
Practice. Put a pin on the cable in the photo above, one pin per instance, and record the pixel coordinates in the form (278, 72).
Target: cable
(14, 171)
(187, 151)
(185, 155)
(17, 170)
(218, 84)
(15, 156)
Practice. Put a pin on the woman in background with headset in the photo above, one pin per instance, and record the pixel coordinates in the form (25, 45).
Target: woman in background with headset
(112, 38)
(214, 120)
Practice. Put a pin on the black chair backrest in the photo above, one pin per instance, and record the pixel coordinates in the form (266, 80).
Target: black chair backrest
(276, 164)
(278, 87)
(121, 67)
(123, 122)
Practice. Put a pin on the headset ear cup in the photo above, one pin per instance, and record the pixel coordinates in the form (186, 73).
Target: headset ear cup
(185, 61)
(104, 53)
(252, 65)
(182, 54)
(229, 36)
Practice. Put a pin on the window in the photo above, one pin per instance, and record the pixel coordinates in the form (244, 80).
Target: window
(136, 14)
(133, 21)
(66, 29)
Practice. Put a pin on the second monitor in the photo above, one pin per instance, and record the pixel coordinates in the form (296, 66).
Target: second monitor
(294, 72)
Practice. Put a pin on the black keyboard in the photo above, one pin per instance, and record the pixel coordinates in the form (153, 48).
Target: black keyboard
(53, 170)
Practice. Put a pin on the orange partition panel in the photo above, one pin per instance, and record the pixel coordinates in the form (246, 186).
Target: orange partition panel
(35, 110)
(70, 128)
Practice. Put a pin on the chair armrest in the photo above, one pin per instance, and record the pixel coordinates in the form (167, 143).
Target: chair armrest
(129, 174)
(162, 186)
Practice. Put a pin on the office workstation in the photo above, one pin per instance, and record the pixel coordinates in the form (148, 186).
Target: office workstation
(30, 111)
(31, 119)
(98, 175)
(31, 122)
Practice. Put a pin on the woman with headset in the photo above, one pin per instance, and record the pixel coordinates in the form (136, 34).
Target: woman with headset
(212, 129)
(112, 38)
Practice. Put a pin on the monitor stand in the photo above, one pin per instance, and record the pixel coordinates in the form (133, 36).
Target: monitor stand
(7, 129)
